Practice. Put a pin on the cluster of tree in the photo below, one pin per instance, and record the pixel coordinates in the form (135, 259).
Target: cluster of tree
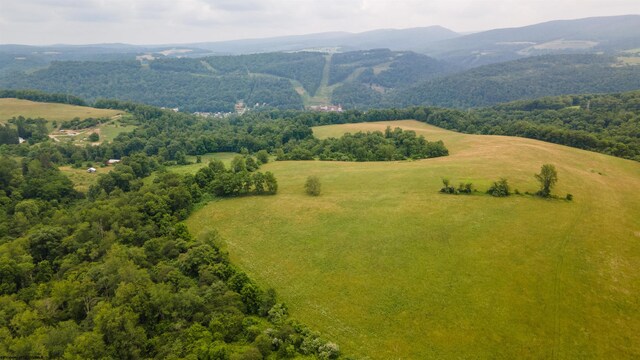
(391, 145)
(463, 188)
(34, 130)
(77, 124)
(8, 134)
(40, 96)
(240, 179)
(548, 177)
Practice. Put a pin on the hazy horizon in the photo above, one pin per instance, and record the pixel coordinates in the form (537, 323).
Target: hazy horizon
(148, 22)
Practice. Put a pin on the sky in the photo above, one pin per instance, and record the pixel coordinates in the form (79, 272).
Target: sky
(46, 22)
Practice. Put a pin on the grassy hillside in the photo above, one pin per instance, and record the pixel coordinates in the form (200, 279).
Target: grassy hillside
(389, 268)
(59, 112)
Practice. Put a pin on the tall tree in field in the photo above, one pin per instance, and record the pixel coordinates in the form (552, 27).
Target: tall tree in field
(548, 177)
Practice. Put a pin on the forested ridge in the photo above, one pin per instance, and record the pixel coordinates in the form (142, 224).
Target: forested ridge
(357, 80)
(528, 78)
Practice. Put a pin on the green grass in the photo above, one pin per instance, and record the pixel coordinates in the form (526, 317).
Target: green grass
(110, 130)
(81, 178)
(10, 108)
(389, 268)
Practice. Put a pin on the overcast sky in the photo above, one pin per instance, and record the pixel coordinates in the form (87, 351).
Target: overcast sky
(41, 22)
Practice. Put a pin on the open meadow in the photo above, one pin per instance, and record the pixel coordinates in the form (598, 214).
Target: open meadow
(10, 108)
(389, 268)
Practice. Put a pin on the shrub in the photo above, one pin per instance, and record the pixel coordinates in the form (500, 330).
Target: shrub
(262, 156)
(94, 137)
(499, 188)
(312, 186)
(465, 188)
(569, 197)
(447, 188)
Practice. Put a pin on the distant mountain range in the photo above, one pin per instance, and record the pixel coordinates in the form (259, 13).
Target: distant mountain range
(381, 68)
(590, 35)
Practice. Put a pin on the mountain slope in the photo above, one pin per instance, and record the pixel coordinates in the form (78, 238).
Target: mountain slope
(523, 79)
(597, 34)
(394, 39)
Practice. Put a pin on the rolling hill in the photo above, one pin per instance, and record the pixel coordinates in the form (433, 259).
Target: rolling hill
(591, 35)
(527, 78)
(216, 83)
(390, 268)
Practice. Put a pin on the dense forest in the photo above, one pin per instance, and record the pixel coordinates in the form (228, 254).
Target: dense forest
(129, 80)
(116, 275)
(528, 78)
(360, 80)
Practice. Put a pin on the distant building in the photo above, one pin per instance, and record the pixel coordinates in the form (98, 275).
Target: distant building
(21, 140)
(91, 170)
(113, 161)
(326, 108)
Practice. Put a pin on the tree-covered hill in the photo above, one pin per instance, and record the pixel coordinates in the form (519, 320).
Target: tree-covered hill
(216, 83)
(608, 34)
(128, 80)
(357, 80)
(528, 78)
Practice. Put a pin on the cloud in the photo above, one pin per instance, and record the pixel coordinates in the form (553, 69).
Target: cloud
(161, 21)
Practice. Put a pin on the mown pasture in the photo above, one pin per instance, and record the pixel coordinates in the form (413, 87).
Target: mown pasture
(10, 108)
(388, 267)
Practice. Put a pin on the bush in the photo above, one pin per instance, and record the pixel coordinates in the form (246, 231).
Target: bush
(312, 186)
(262, 156)
(94, 137)
(499, 188)
(569, 197)
(447, 188)
(465, 188)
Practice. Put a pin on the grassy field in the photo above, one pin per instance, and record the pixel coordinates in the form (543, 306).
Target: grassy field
(389, 268)
(81, 178)
(59, 112)
(110, 130)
